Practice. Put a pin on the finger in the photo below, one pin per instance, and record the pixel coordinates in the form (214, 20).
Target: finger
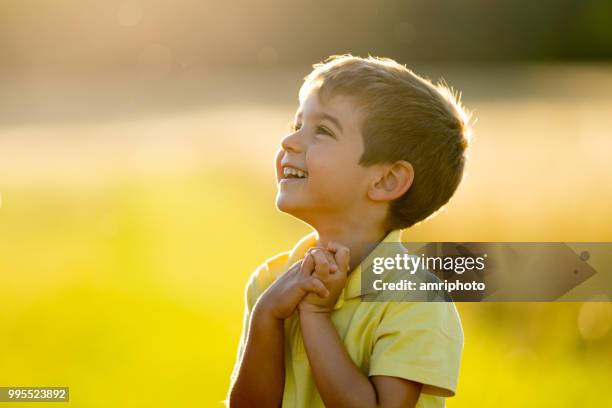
(341, 255)
(333, 246)
(316, 286)
(321, 263)
(333, 267)
(307, 265)
(313, 249)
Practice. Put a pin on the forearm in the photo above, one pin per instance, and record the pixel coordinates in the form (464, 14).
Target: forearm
(261, 374)
(333, 370)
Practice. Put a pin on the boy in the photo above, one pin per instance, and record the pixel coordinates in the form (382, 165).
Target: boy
(374, 149)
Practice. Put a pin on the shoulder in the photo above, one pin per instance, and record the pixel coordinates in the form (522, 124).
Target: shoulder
(273, 267)
(264, 275)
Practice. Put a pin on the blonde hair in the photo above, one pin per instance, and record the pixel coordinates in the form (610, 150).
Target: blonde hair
(406, 117)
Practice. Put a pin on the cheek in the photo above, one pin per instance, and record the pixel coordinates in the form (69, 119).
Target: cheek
(334, 173)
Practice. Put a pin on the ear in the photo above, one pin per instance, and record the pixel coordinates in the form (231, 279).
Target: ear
(393, 181)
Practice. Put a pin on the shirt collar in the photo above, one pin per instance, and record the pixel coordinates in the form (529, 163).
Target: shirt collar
(353, 284)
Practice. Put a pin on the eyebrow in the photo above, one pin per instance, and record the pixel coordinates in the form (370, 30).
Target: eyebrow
(324, 116)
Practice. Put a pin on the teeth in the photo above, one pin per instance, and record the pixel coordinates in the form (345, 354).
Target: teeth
(290, 171)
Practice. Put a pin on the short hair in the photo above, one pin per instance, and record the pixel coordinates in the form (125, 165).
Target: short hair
(406, 117)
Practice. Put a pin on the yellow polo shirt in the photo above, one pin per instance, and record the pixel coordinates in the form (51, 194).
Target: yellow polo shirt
(418, 341)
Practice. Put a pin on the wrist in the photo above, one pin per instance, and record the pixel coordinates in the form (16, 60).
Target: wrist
(314, 311)
(263, 312)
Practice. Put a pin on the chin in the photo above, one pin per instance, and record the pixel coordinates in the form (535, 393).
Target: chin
(285, 204)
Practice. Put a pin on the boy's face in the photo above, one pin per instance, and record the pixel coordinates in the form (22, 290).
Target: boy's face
(317, 168)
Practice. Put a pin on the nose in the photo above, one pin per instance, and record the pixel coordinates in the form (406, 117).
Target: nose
(292, 143)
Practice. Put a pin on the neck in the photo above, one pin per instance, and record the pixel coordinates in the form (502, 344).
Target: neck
(357, 237)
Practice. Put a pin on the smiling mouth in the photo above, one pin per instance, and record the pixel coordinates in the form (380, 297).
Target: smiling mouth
(293, 173)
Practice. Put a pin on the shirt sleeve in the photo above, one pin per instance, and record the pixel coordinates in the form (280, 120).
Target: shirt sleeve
(421, 342)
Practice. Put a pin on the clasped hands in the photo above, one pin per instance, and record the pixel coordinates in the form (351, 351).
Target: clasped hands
(313, 284)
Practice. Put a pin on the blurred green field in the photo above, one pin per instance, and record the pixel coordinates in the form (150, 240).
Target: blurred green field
(125, 245)
(135, 288)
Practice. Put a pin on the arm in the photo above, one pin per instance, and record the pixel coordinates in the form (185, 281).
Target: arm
(262, 366)
(260, 377)
(334, 372)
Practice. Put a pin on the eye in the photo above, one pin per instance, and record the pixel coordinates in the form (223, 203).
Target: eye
(322, 130)
(294, 126)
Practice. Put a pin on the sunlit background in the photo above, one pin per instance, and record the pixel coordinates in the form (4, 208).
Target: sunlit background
(137, 188)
